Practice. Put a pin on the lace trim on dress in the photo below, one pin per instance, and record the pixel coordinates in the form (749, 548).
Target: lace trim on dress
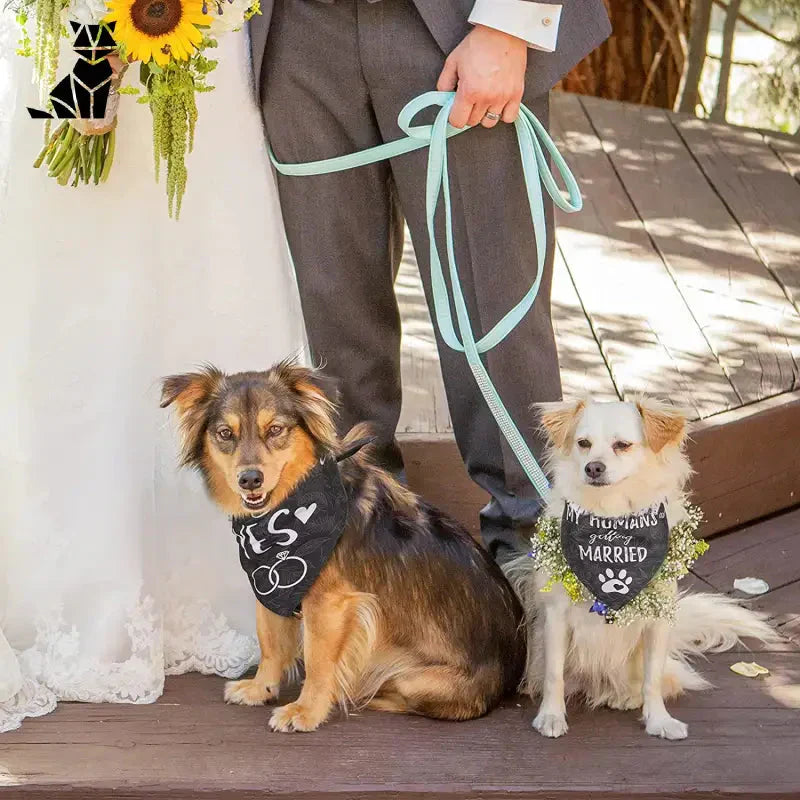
(198, 640)
(187, 638)
(32, 700)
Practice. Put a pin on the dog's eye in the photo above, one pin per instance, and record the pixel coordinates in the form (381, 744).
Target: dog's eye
(226, 434)
(584, 444)
(621, 447)
(274, 430)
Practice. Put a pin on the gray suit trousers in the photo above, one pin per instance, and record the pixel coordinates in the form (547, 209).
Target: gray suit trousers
(333, 79)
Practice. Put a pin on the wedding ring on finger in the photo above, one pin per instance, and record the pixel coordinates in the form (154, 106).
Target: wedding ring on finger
(492, 115)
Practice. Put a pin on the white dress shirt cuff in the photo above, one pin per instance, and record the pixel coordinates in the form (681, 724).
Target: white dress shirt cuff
(535, 23)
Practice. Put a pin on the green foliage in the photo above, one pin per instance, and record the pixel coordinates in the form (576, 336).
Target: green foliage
(24, 45)
(776, 87)
(202, 67)
(775, 8)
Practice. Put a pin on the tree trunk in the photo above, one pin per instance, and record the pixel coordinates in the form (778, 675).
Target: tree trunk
(720, 109)
(642, 60)
(689, 89)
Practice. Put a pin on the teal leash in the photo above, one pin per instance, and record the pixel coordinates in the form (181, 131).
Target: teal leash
(533, 141)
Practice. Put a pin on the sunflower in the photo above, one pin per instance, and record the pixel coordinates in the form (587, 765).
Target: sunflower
(158, 29)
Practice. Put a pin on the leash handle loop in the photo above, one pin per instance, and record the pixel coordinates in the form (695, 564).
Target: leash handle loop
(535, 145)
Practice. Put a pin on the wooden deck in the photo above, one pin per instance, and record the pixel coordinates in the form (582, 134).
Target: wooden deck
(744, 735)
(680, 278)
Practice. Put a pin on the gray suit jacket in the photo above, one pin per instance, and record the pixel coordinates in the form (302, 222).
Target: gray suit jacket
(584, 25)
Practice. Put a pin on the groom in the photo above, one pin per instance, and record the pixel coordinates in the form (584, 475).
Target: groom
(332, 76)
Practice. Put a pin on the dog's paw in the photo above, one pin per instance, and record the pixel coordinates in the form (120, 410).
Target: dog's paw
(550, 725)
(249, 693)
(666, 727)
(295, 717)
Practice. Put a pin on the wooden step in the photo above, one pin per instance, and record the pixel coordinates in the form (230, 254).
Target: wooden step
(743, 743)
(747, 464)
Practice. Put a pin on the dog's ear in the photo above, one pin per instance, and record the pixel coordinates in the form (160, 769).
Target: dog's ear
(191, 393)
(663, 424)
(316, 395)
(191, 388)
(558, 421)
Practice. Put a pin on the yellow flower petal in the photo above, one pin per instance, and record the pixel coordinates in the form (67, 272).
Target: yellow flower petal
(180, 36)
(193, 35)
(749, 669)
(179, 51)
(144, 52)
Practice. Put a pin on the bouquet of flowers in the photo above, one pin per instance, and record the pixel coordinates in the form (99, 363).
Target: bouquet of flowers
(170, 40)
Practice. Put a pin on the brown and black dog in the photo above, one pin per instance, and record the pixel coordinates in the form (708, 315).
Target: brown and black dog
(408, 615)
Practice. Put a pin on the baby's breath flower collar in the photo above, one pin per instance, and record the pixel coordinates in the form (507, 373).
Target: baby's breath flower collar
(656, 601)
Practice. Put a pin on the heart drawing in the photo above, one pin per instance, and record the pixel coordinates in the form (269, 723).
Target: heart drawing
(304, 513)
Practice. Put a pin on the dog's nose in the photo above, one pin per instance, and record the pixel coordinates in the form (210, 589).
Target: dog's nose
(594, 469)
(251, 479)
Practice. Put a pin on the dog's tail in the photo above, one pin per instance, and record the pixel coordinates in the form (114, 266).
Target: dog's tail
(708, 623)
(361, 436)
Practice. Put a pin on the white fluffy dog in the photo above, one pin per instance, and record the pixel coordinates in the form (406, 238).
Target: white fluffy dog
(614, 459)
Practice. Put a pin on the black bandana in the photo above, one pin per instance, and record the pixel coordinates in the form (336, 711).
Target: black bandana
(614, 557)
(283, 550)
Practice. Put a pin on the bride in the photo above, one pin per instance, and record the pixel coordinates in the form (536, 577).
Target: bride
(114, 568)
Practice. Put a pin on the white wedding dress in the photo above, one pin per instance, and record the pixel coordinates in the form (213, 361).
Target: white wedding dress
(114, 567)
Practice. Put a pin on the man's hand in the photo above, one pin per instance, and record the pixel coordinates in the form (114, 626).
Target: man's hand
(487, 70)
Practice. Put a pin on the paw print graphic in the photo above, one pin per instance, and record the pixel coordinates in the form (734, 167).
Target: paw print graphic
(615, 584)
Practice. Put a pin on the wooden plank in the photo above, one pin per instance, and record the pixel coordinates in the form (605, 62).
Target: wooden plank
(424, 400)
(757, 187)
(646, 331)
(768, 549)
(783, 607)
(747, 462)
(191, 744)
(436, 471)
(583, 370)
(758, 345)
(787, 148)
(742, 310)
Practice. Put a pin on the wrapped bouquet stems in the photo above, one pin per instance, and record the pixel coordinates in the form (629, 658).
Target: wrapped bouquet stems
(82, 150)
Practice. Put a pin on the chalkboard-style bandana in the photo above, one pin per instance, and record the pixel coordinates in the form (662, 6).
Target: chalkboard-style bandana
(283, 550)
(615, 558)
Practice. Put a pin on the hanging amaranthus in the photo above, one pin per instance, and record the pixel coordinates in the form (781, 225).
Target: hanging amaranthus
(171, 96)
(174, 110)
(46, 44)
